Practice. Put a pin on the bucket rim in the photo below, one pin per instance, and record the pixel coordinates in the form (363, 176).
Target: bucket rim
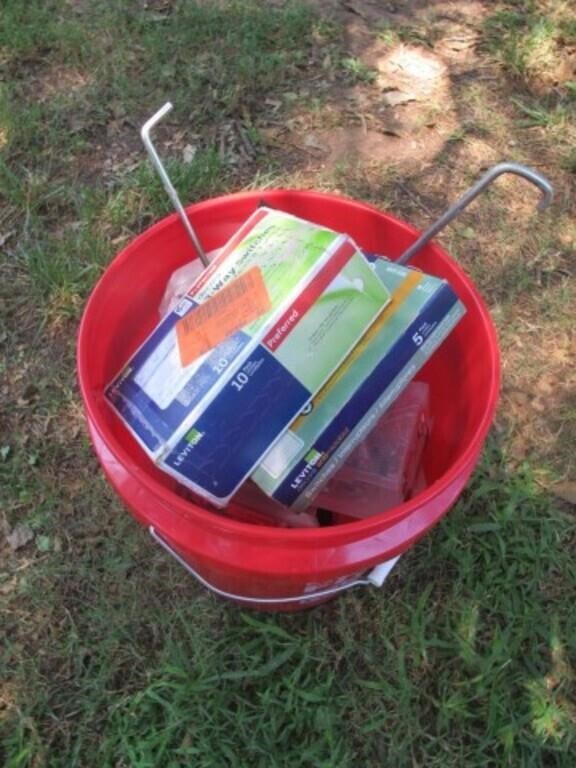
(93, 401)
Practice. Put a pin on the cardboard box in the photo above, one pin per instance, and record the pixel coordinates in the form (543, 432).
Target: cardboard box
(265, 325)
(422, 312)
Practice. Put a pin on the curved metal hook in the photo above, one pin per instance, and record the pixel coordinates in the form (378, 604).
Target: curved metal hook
(455, 210)
(168, 186)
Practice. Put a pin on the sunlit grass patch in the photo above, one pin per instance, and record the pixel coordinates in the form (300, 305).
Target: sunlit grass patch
(533, 44)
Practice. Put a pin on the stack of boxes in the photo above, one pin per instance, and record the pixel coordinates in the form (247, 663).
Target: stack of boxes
(279, 362)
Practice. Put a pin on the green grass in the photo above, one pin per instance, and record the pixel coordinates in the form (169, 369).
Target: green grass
(465, 658)
(538, 116)
(221, 57)
(110, 656)
(358, 72)
(527, 39)
(393, 33)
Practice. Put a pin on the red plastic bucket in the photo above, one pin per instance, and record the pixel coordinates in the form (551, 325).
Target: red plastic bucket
(270, 567)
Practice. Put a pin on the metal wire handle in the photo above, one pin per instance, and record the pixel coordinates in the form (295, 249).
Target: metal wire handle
(456, 209)
(168, 186)
(375, 578)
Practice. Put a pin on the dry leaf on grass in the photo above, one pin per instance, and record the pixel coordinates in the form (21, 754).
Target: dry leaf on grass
(21, 535)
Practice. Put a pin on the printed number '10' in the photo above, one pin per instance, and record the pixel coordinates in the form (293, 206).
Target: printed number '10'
(239, 381)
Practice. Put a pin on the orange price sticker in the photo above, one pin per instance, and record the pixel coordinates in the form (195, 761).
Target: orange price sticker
(240, 302)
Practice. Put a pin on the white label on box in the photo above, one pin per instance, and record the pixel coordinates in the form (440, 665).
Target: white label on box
(280, 456)
(162, 376)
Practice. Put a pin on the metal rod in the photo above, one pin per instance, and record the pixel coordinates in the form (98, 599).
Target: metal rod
(455, 210)
(168, 186)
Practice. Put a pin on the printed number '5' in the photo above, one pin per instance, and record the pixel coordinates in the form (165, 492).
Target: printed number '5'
(417, 338)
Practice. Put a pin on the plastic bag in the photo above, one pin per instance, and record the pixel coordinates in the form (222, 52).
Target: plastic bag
(180, 281)
(383, 471)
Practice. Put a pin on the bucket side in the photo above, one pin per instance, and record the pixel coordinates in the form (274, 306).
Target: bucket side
(275, 562)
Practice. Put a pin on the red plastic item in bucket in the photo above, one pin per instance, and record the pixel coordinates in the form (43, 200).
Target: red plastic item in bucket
(381, 472)
(271, 567)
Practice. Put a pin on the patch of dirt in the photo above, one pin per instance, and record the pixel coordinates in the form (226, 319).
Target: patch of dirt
(538, 391)
(407, 114)
(348, 146)
(411, 70)
(57, 80)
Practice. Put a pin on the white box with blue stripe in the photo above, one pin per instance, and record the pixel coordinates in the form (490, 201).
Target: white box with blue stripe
(422, 312)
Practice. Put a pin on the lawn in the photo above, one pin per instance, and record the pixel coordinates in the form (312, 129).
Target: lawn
(110, 655)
